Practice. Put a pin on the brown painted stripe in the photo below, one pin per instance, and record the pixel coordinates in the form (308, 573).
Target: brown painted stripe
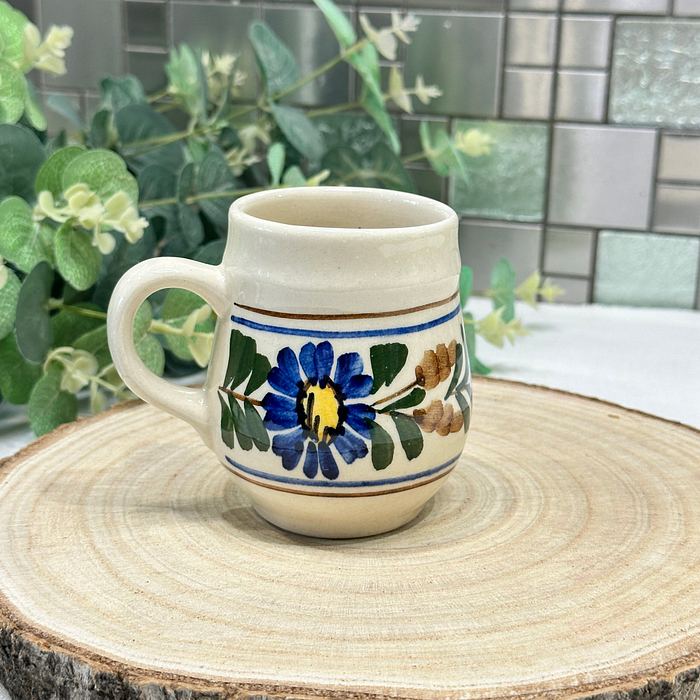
(335, 317)
(274, 487)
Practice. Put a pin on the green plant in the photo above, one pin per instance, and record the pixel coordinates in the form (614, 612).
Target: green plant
(78, 210)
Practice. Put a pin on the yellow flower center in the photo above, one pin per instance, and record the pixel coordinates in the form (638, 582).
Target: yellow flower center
(321, 409)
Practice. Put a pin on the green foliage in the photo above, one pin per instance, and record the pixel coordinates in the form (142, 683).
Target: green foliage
(9, 294)
(12, 23)
(50, 176)
(299, 130)
(33, 330)
(476, 366)
(13, 93)
(104, 172)
(23, 241)
(77, 260)
(465, 285)
(502, 289)
(338, 22)
(215, 176)
(381, 167)
(64, 106)
(179, 304)
(120, 92)
(21, 156)
(49, 406)
(277, 64)
(17, 376)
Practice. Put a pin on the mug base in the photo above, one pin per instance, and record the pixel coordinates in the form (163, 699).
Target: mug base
(329, 517)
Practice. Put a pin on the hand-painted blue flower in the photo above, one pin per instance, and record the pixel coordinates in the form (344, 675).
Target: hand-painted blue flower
(315, 411)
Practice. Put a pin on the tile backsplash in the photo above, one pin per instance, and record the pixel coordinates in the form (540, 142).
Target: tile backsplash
(593, 105)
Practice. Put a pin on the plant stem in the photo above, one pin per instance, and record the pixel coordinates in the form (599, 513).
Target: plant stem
(158, 141)
(240, 397)
(157, 95)
(414, 157)
(56, 304)
(397, 393)
(207, 195)
(333, 109)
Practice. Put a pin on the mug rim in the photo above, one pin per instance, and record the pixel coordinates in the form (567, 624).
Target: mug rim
(445, 216)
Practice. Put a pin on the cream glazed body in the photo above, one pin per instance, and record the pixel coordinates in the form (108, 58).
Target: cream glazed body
(338, 392)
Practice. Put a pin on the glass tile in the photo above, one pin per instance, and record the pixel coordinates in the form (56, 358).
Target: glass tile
(149, 68)
(509, 182)
(656, 72)
(641, 269)
(145, 24)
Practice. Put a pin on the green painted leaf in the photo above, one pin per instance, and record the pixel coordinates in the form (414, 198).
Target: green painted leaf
(378, 168)
(457, 372)
(48, 406)
(466, 410)
(261, 368)
(382, 446)
(255, 427)
(77, 259)
(476, 366)
(67, 326)
(33, 330)
(299, 130)
(408, 401)
(120, 92)
(13, 93)
(151, 353)
(50, 176)
(338, 22)
(410, 435)
(21, 156)
(227, 434)
(275, 162)
(214, 175)
(102, 131)
(245, 441)
(95, 342)
(142, 321)
(242, 351)
(32, 110)
(178, 305)
(104, 172)
(17, 376)
(22, 240)
(502, 286)
(12, 23)
(211, 253)
(66, 107)
(9, 295)
(465, 285)
(277, 64)
(387, 361)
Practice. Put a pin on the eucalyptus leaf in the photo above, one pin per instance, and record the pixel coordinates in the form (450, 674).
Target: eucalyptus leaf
(21, 156)
(382, 446)
(142, 321)
(214, 176)
(13, 93)
(183, 238)
(186, 181)
(77, 259)
(157, 182)
(50, 176)
(65, 107)
(375, 106)
(23, 241)
(104, 172)
(299, 130)
(178, 305)
(184, 76)
(9, 295)
(294, 177)
(338, 22)
(48, 405)
(17, 376)
(12, 23)
(502, 289)
(211, 253)
(95, 342)
(360, 130)
(32, 110)
(120, 92)
(476, 366)
(277, 64)
(465, 285)
(151, 353)
(410, 435)
(275, 162)
(33, 326)
(67, 325)
(102, 133)
(381, 167)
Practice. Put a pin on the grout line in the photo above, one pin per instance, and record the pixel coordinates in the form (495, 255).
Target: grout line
(594, 265)
(501, 75)
(611, 55)
(654, 174)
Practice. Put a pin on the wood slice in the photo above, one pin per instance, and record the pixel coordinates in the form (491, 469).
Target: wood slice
(560, 560)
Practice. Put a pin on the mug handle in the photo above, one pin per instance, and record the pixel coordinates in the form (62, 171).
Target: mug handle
(142, 280)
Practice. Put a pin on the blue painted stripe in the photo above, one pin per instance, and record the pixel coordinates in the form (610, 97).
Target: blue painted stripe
(342, 484)
(374, 333)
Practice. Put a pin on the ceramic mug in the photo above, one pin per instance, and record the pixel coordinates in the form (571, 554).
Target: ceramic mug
(338, 391)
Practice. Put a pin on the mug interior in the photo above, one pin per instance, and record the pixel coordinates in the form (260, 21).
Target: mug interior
(345, 208)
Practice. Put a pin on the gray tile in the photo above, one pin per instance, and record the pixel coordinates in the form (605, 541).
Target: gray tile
(527, 93)
(428, 183)
(463, 5)
(89, 57)
(677, 209)
(149, 68)
(466, 66)
(601, 176)
(482, 244)
(26, 7)
(585, 42)
(638, 269)
(568, 251)
(219, 29)
(680, 158)
(651, 7)
(581, 96)
(687, 8)
(531, 39)
(656, 72)
(533, 5)
(575, 291)
(145, 24)
(312, 41)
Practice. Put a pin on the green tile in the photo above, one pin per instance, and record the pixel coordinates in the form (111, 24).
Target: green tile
(656, 72)
(427, 183)
(508, 183)
(638, 269)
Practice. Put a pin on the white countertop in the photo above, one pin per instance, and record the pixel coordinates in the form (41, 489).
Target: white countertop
(647, 359)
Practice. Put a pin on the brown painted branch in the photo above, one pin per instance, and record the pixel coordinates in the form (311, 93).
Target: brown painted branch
(415, 382)
(241, 397)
